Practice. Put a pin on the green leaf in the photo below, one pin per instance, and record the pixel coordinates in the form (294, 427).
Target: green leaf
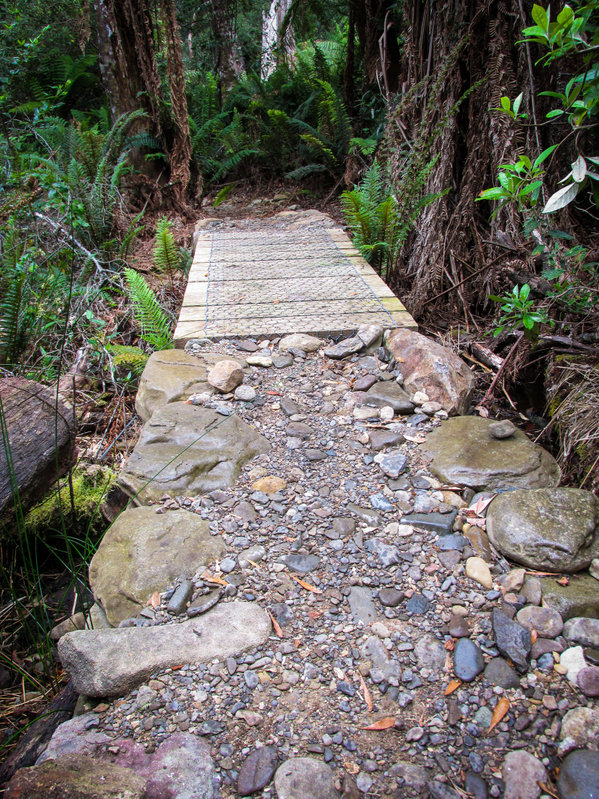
(496, 193)
(557, 112)
(565, 16)
(517, 103)
(561, 198)
(524, 291)
(541, 17)
(534, 186)
(505, 103)
(544, 155)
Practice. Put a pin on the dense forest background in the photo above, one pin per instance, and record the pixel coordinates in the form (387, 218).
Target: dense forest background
(459, 140)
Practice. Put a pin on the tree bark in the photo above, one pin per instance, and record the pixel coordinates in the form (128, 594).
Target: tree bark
(278, 44)
(228, 60)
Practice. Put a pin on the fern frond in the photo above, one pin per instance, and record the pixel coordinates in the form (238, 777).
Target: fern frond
(165, 254)
(153, 321)
(133, 358)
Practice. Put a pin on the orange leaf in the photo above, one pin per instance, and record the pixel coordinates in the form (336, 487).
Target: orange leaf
(563, 581)
(365, 693)
(501, 708)
(154, 600)
(306, 585)
(533, 635)
(452, 686)
(276, 626)
(382, 724)
(449, 645)
(314, 614)
(212, 578)
(176, 668)
(274, 393)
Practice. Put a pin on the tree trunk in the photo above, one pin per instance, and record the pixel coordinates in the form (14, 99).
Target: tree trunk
(459, 60)
(228, 60)
(278, 44)
(378, 42)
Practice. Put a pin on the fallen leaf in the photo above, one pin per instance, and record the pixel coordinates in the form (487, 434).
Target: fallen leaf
(253, 562)
(212, 578)
(314, 614)
(365, 693)
(543, 787)
(154, 600)
(415, 439)
(563, 581)
(382, 724)
(306, 585)
(452, 686)
(533, 635)
(276, 626)
(480, 505)
(482, 411)
(176, 668)
(501, 708)
(449, 645)
(274, 393)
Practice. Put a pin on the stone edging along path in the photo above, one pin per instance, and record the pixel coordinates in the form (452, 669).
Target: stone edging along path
(303, 599)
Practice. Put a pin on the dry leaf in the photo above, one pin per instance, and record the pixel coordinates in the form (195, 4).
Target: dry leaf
(533, 635)
(212, 578)
(274, 393)
(452, 686)
(253, 562)
(306, 585)
(479, 506)
(449, 645)
(543, 787)
(276, 626)
(563, 581)
(154, 600)
(365, 693)
(501, 708)
(415, 439)
(314, 614)
(382, 724)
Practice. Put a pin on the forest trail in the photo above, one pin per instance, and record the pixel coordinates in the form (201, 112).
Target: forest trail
(294, 273)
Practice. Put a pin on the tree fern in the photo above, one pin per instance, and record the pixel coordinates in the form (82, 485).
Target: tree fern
(152, 320)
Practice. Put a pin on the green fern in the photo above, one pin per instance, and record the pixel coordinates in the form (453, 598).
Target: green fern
(166, 254)
(153, 321)
(133, 358)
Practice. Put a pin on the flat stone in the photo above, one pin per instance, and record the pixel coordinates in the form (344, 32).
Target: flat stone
(468, 660)
(553, 529)
(441, 523)
(204, 603)
(288, 406)
(370, 335)
(282, 361)
(225, 376)
(546, 621)
(113, 662)
(344, 525)
(479, 542)
(344, 349)
(171, 376)
(361, 605)
(300, 341)
(245, 511)
(417, 605)
(531, 590)
(521, 774)
(76, 777)
(257, 770)
(303, 564)
(314, 454)
(302, 777)
(464, 453)
(499, 672)
(392, 463)
(582, 725)
(579, 598)
(581, 630)
(436, 370)
(364, 382)
(381, 439)
(182, 767)
(390, 597)
(299, 430)
(512, 640)
(452, 542)
(187, 450)
(478, 570)
(391, 394)
(458, 626)
(430, 653)
(143, 552)
(245, 393)
(579, 775)
(247, 345)
(502, 429)
(588, 680)
(264, 361)
(573, 660)
(365, 514)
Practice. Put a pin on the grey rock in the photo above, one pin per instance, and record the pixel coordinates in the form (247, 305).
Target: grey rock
(263, 361)
(468, 660)
(579, 598)
(417, 605)
(130, 563)
(464, 453)
(388, 393)
(288, 406)
(314, 454)
(204, 603)
(364, 382)
(546, 621)
(171, 376)
(300, 777)
(392, 463)
(344, 349)
(282, 613)
(413, 776)
(441, 790)
(521, 774)
(588, 680)
(441, 523)
(75, 737)
(365, 514)
(361, 604)
(458, 626)
(388, 555)
(370, 335)
(186, 450)
(282, 361)
(299, 430)
(178, 602)
(245, 511)
(257, 770)
(303, 564)
(182, 768)
(475, 785)
(113, 662)
(512, 640)
(579, 775)
(344, 525)
(531, 590)
(247, 345)
(245, 393)
(553, 529)
(451, 543)
(225, 375)
(430, 653)
(381, 439)
(582, 725)
(499, 672)
(581, 630)
(380, 502)
(503, 429)
(428, 366)
(300, 341)
(390, 597)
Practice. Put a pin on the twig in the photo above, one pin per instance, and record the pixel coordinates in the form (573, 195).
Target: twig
(468, 277)
(75, 241)
(507, 358)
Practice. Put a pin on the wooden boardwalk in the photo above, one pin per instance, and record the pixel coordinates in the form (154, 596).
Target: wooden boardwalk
(292, 273)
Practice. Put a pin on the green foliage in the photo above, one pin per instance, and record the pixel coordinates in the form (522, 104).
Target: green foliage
(153, 321)
(166, 253)
(520, 182)
(133, 358)
(518, 312)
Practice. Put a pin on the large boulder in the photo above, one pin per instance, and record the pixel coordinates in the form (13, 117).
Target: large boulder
(113, 662)
(171, 376)
(549, 529)
(430, 367)
(41, 441)
(143, 552)
(463, 451)
(580, 597)
(188, 450)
